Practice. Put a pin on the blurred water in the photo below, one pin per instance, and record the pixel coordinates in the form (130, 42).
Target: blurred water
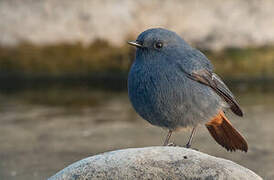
(43, 131)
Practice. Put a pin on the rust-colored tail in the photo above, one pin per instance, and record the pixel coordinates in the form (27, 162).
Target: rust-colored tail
(225, 134)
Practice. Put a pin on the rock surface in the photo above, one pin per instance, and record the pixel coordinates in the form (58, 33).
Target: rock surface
(210, 24)
(155, 163)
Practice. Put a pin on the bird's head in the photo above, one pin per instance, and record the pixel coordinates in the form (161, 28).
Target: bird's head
(158, 42)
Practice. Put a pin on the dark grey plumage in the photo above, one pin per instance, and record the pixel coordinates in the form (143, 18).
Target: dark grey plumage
(171, 84)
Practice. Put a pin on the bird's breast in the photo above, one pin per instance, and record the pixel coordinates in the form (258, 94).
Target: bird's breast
(151, 83)
(156, 93)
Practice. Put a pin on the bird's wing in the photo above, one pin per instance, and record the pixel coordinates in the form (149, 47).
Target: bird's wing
(198, 68)
(214, 81)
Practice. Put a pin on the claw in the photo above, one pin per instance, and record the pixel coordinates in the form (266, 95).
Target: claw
(189, 147)
(172, 144)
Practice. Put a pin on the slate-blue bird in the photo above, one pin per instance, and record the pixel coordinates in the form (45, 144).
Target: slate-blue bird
(172, 85)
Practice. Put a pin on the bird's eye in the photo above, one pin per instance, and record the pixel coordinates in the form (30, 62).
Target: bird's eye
(158, 45)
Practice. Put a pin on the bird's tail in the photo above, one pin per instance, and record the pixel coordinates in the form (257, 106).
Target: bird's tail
(225, 134)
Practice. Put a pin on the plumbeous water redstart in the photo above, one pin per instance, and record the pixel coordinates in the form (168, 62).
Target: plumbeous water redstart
(172, 85)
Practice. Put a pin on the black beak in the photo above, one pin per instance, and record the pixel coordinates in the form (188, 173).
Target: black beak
(135, 43)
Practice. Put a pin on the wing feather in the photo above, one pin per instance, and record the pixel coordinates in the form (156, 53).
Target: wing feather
(214, 81)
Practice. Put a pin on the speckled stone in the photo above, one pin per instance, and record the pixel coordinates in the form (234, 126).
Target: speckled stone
(155, 163)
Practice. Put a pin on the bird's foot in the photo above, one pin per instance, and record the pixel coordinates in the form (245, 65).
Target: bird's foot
(172, 144)
(188, 146)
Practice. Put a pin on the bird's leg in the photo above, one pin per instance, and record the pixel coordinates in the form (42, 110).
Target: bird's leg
(167, 138)
(188, 145)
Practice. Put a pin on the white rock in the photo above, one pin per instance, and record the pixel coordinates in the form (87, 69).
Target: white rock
(155, 163)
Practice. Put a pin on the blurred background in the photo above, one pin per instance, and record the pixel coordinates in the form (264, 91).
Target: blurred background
(63, 73)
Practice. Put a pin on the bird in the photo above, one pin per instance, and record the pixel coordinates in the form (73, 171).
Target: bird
(173, 85)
